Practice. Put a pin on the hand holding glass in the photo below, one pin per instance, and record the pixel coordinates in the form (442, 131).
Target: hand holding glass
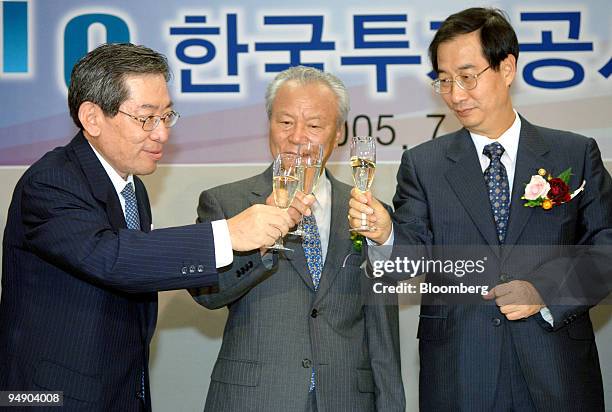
(309, 170)
(363, 162)
(285, 182)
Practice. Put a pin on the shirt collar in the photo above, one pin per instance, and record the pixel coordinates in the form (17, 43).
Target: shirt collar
(118, 182)
(508, 139)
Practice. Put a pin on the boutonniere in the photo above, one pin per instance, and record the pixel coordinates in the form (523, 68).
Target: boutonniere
(357, 241)
(546, 192)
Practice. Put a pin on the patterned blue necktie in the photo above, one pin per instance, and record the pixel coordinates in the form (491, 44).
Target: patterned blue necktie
(498, 187)
(132, 219)
(314, 259)
(312, 249)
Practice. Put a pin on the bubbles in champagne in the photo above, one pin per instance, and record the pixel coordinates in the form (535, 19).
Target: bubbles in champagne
(363, 172)
(284, 190)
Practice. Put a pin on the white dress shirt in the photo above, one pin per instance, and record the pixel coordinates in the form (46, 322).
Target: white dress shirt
(223, 243)
(321, 210)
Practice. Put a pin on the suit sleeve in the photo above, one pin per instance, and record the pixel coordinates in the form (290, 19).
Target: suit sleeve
(66, 226)
(571, 285)
(382, 334)
(411, 227)
(245, 272)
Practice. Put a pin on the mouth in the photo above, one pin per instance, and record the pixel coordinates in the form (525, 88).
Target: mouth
(463, 112)
(155, 155)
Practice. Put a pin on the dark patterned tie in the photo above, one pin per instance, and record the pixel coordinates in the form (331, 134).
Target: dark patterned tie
(132, 220)
(314, 259)
(498, 187)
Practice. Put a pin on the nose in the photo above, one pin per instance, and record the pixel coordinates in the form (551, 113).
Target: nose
(457, 94)
(160, 134)
(299, 135)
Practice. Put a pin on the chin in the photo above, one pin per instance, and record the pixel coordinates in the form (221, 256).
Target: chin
(146, 170)
(469, 123)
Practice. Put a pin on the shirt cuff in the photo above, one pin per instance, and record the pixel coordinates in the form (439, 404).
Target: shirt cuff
(268, 259)
(547, 315)
(388, 242)
(378, 252)
(224, 254)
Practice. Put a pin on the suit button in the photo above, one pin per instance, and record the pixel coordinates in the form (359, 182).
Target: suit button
(314, 313)
(505, 278)
(306, 363)
(496, 321)
(200, 268)
(192, 269)
(250, 264)
(238, 274)
(184, 270)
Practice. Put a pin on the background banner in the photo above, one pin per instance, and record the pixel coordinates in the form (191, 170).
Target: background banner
(223, 53)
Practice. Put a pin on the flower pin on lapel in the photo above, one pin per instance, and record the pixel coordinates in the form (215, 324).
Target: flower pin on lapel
(549, 192)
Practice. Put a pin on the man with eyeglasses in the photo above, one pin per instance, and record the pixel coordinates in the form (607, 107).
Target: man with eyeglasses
(528, 344)
(81, 266)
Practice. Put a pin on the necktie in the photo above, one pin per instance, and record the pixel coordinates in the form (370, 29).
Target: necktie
(498, 187)
(312, 250)
(132, 219)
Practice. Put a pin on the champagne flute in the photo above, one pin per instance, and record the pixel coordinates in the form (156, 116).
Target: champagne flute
(311, 159)
(363, 162)
(285, 183)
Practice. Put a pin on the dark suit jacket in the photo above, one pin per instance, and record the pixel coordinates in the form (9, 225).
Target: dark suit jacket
(279, 327)
(441, 199)
(78, 304)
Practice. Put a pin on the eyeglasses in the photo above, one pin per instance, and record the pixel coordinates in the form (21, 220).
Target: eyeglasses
(465, 81)
(149, 123)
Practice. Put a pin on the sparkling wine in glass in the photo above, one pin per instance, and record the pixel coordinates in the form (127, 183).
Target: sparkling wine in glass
(363, 163)
(285, 183)
(309, 170)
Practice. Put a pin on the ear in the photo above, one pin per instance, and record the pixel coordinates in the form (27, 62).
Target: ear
(339, 134)
(91, 117)
(508, 69)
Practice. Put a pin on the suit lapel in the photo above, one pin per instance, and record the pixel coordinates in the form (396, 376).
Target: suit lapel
(467, 181)
(260, 191)
(530, 158)
(101, 186)
(144, 209)
(339, 244)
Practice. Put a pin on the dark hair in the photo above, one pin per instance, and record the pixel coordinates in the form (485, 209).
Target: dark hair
(99, 77)
(497, 36)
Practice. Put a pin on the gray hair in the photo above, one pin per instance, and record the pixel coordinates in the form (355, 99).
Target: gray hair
(99, 77)
(305, 75)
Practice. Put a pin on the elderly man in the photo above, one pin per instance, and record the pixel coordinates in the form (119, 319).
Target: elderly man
(524, 348)
(80, 263)
(299, 337)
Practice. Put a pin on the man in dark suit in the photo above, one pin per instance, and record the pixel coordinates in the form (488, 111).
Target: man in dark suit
(80, 263)
(523, 348)
(299, 336)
